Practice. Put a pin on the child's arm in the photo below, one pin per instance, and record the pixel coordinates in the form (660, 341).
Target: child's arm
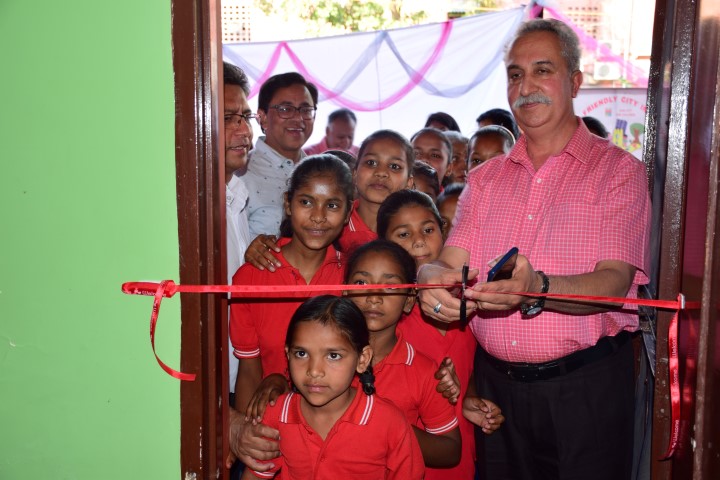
(448, 381)
(247, 475)
(440, 440)
(249, 376)
(405, 460)
(482, 412)
(439, 450)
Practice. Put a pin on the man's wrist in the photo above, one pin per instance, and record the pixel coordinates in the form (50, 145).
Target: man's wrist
(538, 305)
(538, 282)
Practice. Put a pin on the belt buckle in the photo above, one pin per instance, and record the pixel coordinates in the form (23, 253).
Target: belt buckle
(521, 373)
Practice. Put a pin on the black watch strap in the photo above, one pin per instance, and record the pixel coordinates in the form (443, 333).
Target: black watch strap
(537, 307)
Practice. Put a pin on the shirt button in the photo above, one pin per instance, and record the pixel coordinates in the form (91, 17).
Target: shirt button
(529, 217)
(513, 343)
(539, 180)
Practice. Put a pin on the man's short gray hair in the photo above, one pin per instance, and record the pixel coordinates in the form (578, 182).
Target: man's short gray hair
(569, 43)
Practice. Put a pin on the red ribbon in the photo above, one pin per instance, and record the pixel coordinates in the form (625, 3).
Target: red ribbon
(674, 374)
(168, 288)
(159, 294)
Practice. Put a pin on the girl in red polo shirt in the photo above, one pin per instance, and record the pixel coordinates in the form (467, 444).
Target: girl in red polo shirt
(317, 207)
(331, 426)
(403, 375)
(411, 219)
(384, 165)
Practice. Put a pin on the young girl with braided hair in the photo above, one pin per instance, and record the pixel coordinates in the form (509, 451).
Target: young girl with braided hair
(331, 425)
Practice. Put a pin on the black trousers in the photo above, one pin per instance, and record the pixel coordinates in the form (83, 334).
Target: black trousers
(575, 426)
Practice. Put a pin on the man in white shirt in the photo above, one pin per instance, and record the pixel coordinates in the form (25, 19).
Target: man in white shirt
(286, 113)
(238, 142)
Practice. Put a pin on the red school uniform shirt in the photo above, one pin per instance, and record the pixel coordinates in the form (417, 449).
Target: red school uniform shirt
(356, 232)
(372, 440)
(258, 325)
(406, 377)
(587, 204)
(460, 346)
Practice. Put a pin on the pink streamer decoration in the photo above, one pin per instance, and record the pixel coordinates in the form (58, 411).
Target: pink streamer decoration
(634, 74)
(274, 59)
(415, 79)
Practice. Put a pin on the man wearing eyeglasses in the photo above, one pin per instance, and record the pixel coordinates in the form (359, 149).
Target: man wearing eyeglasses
(286, 113)
(238, 143)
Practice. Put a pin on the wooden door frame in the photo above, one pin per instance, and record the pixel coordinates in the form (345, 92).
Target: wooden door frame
(683, 140)
(197, 58)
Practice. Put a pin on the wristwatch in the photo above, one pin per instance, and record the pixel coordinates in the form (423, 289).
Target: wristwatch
(537, 307)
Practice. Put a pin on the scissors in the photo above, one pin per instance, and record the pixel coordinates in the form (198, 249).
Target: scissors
(463, 306)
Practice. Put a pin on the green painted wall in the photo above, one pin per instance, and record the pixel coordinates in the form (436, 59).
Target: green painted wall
(87, 201)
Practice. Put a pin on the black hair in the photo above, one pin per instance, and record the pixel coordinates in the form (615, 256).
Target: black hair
(407, 266)
(392, 249)
(341, 313)
(439, 135)
(502, 117)
(595, 126)
(425, 170)
(342, 113)
(452, 190)
(443, 119)
(454, 136)
(283, 80)
(499, 130)
(313, 166)
(394, 136)
(397, 200)
(233, 75)
(346, 157)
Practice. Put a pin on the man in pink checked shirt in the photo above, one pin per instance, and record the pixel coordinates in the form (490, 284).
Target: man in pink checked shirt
(578, 210)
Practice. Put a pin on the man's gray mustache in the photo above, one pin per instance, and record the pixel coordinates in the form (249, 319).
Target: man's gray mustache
(532, 98)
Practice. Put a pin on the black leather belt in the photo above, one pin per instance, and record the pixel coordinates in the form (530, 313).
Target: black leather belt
(530, 372)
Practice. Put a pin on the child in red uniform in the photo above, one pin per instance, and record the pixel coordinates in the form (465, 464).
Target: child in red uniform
(447, 206)
(425, 179)
(411, 220)
(431, 146)
(488, 142)
(402, 375)
(333, 427)
(317, 207)
(384, 165)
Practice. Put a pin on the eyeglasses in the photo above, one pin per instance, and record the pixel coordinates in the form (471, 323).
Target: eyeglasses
(235, 120)
(288, 111)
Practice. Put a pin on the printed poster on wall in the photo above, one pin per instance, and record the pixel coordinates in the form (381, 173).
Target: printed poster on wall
(621, 110)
